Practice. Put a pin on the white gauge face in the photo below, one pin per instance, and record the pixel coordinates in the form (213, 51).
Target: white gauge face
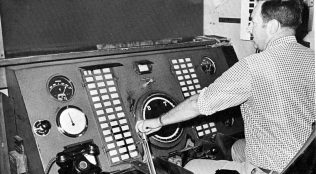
(71, 121)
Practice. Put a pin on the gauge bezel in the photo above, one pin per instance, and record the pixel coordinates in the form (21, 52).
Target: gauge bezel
(62, 130)
(66, 78)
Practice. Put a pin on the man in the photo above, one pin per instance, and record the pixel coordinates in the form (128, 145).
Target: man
(276, 90)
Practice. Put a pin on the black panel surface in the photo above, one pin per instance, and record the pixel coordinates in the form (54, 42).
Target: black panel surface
(36, 26)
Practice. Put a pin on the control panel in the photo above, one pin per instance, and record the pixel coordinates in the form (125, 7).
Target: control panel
(81, 113)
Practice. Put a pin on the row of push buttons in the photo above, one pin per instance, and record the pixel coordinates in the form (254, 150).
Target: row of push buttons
(108, 108)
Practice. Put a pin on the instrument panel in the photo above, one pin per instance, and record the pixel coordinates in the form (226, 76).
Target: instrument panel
(89, 107)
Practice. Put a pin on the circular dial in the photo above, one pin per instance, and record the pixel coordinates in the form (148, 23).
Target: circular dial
(208, 66)
(61, 88)
(154, 107)
(71, 121)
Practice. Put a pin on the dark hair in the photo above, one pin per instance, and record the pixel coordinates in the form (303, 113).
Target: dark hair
(288, 13)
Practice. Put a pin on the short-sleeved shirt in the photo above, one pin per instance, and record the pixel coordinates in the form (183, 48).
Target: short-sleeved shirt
(276, 90)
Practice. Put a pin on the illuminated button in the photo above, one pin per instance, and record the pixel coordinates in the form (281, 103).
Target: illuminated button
(103, 90)
(193, 75)
(129, 141)
(191, 87)
(115, 159)
(85, 73)
(108, 76)
(197, 86)
(119, 108)
(176, 66)
(185, 71)
(187, 77)
(212, 124)
(116, 130)
(107, 103)
(96, 99)
(115, 95)
(178, 72)
(174, 61)
(123, 121)
(100, 112)
(98, 78)
(122, 150)
(89, 79)
(101, 119)
(184, 88)
(124, 128)
(97, 71)
(112, 89)
(198, 128)
(120, 143)
(121, 114)
(111, 146)
(89, 72)
(93, 92)
(200, 134)
(188, 59)
(127, 134)
(106, 132)
(191, 70)
(104, 125)
(180, 78)
(180, 60)
(106, 70)
(109, 110)
(97, 105)
(189, 82)
(108, 139)
(186, 94)
(133, 154)
(125, 156)
(192, 92)
(207, 131)
(195, 81)
(190, 65)
(101, 84)
(116, 102)
(91, 85)
(113, 123)
(118, 136)
(214, 129)
(182, 83)
(183, 66)
(205, 126)
(131, 147)
(111, 117)
(110, 83)
(113, 152)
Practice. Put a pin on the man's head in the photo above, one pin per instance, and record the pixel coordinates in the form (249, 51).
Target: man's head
(272, 19)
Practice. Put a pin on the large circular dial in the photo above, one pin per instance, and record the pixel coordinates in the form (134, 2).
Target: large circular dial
(153, 107)
(71, 121)
(208, 66)
(61, 88)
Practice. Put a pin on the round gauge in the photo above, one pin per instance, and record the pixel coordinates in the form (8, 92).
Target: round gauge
(61, 88)
(208, 66)
(156, 105)
(71, 121)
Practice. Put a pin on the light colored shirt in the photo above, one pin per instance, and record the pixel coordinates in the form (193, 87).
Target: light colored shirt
(276, 90)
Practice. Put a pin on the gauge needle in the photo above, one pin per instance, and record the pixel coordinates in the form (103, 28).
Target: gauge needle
(72, 122)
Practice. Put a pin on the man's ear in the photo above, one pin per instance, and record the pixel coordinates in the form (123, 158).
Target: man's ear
(273, 26)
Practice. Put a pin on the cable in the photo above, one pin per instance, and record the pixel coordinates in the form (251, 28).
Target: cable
(50, 164)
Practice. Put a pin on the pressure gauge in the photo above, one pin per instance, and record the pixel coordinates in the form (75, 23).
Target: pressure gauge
(71, 121)
(208, 66)
(61, 88)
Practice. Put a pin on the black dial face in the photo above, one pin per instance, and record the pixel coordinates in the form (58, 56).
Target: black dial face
(61, 88)
(154, 107)
(208, 66)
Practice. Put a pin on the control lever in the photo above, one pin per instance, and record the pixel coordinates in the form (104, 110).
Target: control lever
(147, 154)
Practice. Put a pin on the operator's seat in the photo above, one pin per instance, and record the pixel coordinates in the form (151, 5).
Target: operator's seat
(304, 162)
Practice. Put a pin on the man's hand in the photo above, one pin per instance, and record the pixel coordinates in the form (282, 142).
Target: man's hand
(148, 126)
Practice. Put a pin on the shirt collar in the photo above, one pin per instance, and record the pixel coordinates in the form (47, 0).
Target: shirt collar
(282, 40)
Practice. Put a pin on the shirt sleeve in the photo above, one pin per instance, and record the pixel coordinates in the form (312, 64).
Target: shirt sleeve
(232, 88)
